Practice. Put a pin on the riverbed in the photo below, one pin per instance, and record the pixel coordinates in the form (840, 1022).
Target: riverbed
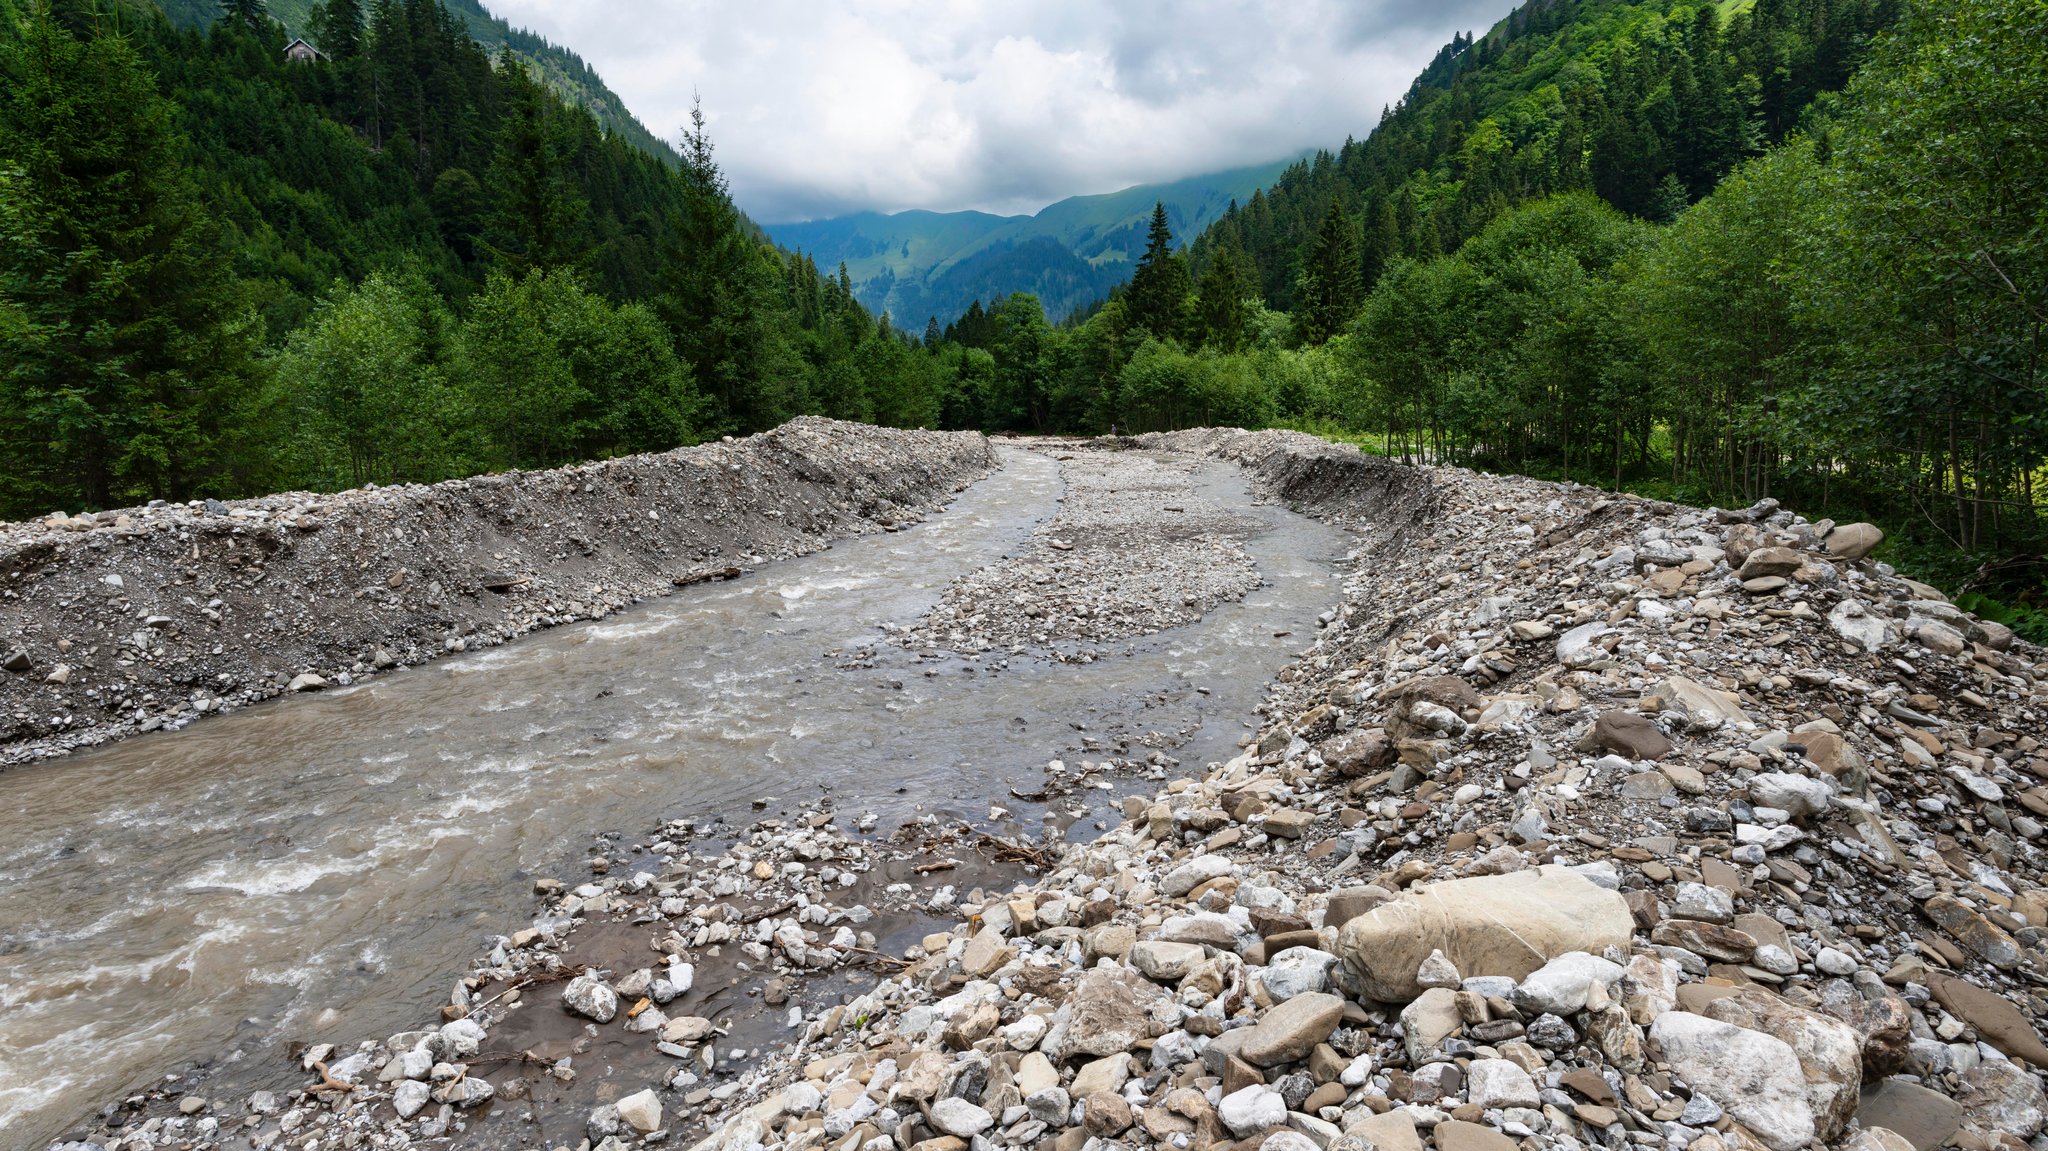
(323, 867)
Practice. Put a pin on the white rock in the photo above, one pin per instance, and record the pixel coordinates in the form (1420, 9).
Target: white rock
(1799, 795)
(1250, 1110)
(1194, 873)
(1575, 648)
(960, 1118)
(641, 1111)
(1499, 1083)
(591, 997)
(1853, 622)
(409, 1098)
(1025, 1034)
(1835, 962)
(1755, 1077)
(1698, 901)
(801, 1099)
(462, 1037)
(1560, 987)
(1296, 971)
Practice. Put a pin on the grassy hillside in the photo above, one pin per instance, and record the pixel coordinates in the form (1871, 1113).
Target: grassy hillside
(918, 264)
(563, 71)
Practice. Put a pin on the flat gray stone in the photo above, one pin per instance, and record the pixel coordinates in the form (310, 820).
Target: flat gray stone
(1924, 1117)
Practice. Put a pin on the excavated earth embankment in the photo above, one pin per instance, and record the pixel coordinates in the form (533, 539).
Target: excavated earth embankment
(1586, 822)
(130, 621)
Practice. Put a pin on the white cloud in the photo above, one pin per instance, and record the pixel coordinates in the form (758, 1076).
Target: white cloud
(825, 108)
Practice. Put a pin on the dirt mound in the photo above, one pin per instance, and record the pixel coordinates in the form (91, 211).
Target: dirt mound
(151, 617)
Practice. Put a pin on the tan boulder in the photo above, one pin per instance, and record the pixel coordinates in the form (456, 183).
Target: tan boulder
(1110, 1012)
(1853, 541)
(1701, 708)
(1766, 562)
(1489, 925)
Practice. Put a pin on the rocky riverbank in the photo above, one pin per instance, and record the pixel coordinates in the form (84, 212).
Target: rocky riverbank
(148, 618)
(1591, 821)
(1586, 821)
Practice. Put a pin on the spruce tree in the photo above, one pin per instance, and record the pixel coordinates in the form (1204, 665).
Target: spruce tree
(1328, 291)
(539, 213)
(249, 14)
(1219, 305)
(339, 26)
(129, 349)
(1382, 243)
(715, 299)
(1159, 287)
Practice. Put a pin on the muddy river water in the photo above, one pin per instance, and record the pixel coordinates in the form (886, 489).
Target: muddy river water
(323, 867)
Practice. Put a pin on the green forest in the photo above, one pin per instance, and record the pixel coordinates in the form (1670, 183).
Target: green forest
(1719, 251)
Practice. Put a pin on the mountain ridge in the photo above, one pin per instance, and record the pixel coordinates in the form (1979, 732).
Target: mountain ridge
(920, 263)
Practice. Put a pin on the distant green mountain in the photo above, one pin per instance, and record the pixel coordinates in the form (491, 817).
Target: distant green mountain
(919, 264)
(563, 71)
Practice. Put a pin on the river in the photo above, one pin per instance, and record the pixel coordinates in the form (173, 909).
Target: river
(322, 867)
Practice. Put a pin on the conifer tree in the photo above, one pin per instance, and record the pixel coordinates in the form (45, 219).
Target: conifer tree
(128, 349)
(1159, 286)
(1219, 305)
(714, 299)
(339, 26)
(539, 213)
(1328, 290)
(248, 14)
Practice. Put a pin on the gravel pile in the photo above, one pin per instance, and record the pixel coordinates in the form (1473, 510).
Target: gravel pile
(148, 618)
(1134, 550)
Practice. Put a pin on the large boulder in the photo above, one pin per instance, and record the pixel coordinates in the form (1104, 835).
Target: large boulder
(1754, 1077)
(1853, 541)
(2003, 1097)
(1697, 706)
(1290, 1031)
(1629, 734)
(1830, 1051)
(1506, 925)
(1110, 1012)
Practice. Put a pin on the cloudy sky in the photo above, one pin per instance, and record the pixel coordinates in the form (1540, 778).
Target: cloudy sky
(819, 109)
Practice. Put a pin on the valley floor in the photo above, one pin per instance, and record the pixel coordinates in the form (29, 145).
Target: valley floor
(1581, 820)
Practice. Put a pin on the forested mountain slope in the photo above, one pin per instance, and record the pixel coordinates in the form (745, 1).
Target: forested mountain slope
(1648, 104)
(223, 272)
(563, 71)
(917, 264)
